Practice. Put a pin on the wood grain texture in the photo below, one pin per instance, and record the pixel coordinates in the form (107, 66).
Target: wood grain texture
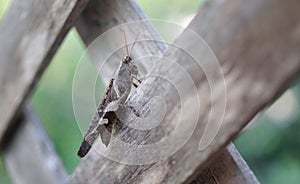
(30, 33)
(227, 167)
(30, 156)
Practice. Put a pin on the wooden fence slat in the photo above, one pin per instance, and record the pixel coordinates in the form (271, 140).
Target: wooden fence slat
(30, 33)
(30, 156)
(229, 166)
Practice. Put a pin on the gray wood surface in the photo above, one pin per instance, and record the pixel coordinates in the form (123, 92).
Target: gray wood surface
(227, 167)
(30, 33)
(30, 156)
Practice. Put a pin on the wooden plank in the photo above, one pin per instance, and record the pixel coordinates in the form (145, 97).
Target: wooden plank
(99, 16)
(30, 156)
(30, 33)
(228, 167)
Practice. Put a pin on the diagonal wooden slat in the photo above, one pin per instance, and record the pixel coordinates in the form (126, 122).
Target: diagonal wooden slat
(96, 19)
(30, 33)
(227, 167)
(29, 156)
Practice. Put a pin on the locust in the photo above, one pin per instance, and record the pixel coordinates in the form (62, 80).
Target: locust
(114, 97)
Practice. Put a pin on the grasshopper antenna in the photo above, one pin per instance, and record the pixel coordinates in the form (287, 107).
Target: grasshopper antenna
(125, 38)
(134, 42)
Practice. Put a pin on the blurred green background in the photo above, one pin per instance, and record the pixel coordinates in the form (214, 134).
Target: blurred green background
(271, 144)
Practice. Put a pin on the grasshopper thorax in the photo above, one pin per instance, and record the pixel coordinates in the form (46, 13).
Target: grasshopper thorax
(126, 59)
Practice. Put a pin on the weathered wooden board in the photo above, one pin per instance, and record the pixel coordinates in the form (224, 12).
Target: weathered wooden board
(228, 167)
(30, 156)
(30, 33)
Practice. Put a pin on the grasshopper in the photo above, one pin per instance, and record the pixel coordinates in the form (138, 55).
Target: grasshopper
(115, 96)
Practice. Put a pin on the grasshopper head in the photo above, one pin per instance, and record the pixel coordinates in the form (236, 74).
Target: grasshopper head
(126, 59)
